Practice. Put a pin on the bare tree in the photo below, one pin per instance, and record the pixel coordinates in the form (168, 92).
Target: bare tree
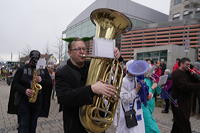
(59, 50)
(26, 51)
(47, 50)
(24, 54)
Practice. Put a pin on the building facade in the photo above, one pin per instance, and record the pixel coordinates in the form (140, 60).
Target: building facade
(183, 33)
(140, 15)
(167, 52)
(184, 9)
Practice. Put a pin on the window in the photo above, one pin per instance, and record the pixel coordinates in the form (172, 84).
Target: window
(147, 54)
(140, 56)
(154, 55)
(197, 13)
(177, 2)
(163, 53)
(177, 15)
(186, 12)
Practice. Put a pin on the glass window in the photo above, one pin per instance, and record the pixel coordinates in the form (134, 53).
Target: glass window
(197, 15)
(147, 54)
(85, 29)
(154, 59)
(187, 16)
(176, 15)
(139, 58)
(163, 53)
(139, 54)
(164, 57)
(186, 12)
(176, 18)
(155, 54)
(177, 2)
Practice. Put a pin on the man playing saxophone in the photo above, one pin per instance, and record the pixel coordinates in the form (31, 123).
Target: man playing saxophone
(24, 100)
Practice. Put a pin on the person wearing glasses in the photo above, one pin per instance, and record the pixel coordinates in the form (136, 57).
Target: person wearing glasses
(71, 90)
(183, 86)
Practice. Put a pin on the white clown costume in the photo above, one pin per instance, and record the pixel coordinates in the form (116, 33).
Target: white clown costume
(127, 96)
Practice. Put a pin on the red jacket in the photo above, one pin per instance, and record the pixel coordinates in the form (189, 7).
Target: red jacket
(175, 67)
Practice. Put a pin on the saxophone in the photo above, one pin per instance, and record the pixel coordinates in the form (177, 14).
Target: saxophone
(98, 116)
(35, 88)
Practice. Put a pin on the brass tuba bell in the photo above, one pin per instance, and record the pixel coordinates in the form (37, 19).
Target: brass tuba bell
(98, 116)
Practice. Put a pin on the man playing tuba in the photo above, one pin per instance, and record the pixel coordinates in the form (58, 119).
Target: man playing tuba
(71, 89)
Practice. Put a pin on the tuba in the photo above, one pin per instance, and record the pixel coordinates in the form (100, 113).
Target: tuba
(98, 116)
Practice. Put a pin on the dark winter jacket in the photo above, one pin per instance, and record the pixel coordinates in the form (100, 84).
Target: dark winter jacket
(72, 94)
(22, 81)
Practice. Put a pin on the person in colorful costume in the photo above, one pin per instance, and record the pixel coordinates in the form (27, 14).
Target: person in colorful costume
(150, 123)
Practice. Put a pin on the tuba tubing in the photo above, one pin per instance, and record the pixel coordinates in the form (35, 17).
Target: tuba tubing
(98, 116)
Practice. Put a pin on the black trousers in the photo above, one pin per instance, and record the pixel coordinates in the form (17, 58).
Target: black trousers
(167, 104)
(196, 98)
(181, 121)
(28, 114)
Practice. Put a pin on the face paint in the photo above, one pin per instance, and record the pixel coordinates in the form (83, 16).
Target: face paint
(34, 61)
(35, 56)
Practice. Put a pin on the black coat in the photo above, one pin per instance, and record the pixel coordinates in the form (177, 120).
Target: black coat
(72, 94)
(163, 67)
(22, 81)
(184, 84)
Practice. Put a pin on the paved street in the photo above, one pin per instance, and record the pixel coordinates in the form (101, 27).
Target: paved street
(53, 124)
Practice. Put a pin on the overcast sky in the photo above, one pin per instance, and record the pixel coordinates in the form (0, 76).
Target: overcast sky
(38, 24)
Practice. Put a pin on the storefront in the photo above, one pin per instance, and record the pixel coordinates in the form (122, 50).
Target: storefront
(154, 55)
(168, 52)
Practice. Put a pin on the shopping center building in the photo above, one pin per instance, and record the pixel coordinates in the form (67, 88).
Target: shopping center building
(183, 33)
(153, 33)
(140, 15)
(182, 29)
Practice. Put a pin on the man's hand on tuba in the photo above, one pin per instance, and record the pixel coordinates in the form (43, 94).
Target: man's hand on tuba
(116, 53)
(103, 89)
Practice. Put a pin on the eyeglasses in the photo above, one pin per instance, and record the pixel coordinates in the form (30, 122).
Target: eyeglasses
(78, 49)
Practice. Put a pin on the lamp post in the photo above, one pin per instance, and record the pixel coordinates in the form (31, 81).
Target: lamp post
(187, 46)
